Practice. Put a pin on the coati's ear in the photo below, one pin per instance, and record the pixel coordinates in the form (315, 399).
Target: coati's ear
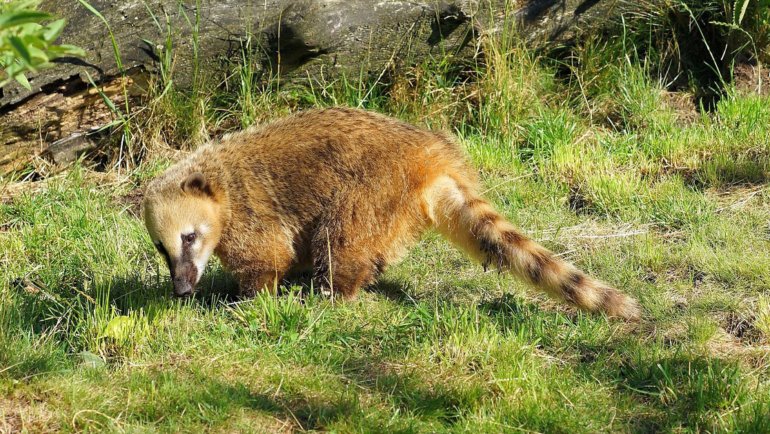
(196, 183)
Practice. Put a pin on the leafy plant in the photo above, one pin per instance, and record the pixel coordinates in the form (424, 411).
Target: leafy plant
(27, 45)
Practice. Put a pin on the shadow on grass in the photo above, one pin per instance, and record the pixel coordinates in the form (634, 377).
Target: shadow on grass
(191, 397)
(406, 390)
(404, 393)
(724, 170)
(133, 293)
(676, 391)
(392, 289)
(310, 413)
(47, 327)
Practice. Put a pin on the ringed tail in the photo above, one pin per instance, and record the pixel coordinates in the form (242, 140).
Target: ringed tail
(466, 219)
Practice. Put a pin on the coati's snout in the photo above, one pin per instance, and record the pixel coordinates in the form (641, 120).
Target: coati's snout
(184, 277)
(184, 272)
(185, 224)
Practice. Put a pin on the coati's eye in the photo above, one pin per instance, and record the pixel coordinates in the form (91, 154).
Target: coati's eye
(188, 238)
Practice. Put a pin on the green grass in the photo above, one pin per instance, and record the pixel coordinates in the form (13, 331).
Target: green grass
(671, 207)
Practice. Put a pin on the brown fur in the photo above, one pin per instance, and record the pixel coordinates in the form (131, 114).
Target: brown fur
(346, 192)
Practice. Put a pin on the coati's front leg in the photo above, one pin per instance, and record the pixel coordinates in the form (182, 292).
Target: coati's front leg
(266, 273)
(254, 282)
(260, 265)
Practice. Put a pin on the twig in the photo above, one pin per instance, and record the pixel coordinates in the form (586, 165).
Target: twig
(616, 235)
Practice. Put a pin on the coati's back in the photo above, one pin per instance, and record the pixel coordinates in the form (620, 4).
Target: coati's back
(346, 192)
(315, 157)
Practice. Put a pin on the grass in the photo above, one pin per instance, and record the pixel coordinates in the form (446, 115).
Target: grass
(595, 160)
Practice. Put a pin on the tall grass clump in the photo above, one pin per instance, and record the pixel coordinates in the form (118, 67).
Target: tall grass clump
(620, 75)
(439, 93)
(128, 150)
(694, 43)
(177, 115)
(613, 83)
(170, 114)
(512, 86)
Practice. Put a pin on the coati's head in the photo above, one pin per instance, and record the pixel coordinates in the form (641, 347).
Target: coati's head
(185, 224)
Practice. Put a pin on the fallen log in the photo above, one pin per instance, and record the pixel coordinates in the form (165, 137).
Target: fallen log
(293, 38)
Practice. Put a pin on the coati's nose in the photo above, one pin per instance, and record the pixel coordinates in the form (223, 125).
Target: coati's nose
(182, 288)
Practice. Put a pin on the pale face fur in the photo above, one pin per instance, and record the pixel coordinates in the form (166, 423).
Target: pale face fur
(185, 227)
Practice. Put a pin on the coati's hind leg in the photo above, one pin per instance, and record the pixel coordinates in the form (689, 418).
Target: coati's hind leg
(344, 275)
(466, 219)
(351, 250)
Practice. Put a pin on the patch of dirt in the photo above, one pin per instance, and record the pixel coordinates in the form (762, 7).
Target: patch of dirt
(577, 201)
(725, 345)
(737, 197)
(683, 105)
(11, 190)
(750, 78)
(133, 201)
(248, 420)
(21, 415)
(742, 328)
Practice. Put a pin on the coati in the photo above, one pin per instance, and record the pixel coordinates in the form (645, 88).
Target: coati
(343, 192)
